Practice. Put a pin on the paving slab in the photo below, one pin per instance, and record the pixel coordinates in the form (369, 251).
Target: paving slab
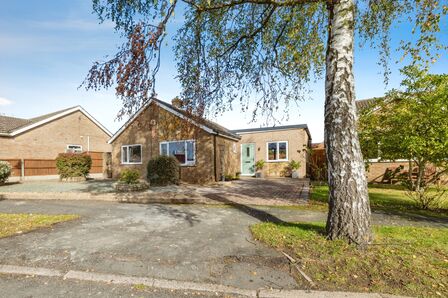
(280, 191)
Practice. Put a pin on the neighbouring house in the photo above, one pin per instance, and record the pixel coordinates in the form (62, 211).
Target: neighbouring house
(205, 150)
(277, 146)
(37, 141)
(378, 170)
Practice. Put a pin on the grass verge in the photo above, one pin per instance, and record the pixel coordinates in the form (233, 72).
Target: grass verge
(13, 224)
(402, 261)
(391, 200)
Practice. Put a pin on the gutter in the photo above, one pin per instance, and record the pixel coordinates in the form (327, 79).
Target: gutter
(226, 136)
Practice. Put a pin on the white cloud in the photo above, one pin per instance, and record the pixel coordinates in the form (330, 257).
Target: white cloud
(5, 101)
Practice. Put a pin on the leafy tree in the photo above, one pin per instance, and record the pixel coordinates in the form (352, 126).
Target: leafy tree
(411, 125)
(266, 51)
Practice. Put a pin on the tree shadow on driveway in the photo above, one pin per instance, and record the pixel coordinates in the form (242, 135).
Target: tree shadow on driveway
(177, 213)
(261, 215)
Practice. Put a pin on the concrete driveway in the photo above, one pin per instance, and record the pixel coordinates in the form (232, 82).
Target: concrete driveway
(205, 244)
(180, 242)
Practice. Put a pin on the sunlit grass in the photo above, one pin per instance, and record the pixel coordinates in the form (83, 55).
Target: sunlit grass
(393, 199)
(13, 224)
(402, 260)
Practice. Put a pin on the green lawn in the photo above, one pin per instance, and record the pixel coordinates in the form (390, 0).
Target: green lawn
(403, 260)
(14, 224)
(391, 199)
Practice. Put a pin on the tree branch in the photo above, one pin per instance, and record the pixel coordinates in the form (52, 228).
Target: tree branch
(264, 22)
(274, 3)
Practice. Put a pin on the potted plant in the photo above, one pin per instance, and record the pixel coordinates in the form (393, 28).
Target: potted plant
(259, 165)
(294, 166)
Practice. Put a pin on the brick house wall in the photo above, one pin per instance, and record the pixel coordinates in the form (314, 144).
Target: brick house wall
(52, 138)
(228, 157)
(297, 144)
(377, 170)
(154, 125)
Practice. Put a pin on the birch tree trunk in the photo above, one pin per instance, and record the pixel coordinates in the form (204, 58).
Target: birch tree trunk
(349, 209)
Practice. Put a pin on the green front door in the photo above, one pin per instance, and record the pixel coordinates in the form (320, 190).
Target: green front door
(248, 159)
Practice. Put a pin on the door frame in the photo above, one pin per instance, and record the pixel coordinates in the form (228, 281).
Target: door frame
(241, 158)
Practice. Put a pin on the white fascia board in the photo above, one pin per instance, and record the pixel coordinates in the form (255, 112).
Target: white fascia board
(269, 130)
(228, 137)
(57, 116)
(377, 160)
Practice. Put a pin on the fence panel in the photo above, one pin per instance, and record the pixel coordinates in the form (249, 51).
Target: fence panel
(97, 162)
(40, 167)
(44, 167)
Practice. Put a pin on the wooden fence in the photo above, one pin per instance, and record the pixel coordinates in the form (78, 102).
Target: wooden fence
(40, 167)
(97, 162)
(318, 165)
(46, 167)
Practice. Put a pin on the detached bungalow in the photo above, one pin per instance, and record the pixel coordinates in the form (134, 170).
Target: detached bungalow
(205, 150)
(31, 145)
(45, 136)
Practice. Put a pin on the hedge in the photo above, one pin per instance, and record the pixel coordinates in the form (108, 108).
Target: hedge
(163, 170)
(73, 165)
(5, 171)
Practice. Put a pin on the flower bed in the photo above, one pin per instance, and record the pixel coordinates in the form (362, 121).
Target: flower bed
(126, 187)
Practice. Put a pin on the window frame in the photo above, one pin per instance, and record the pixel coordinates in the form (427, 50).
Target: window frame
(68, 149)
(187, 163)
(278, 151)
(131, 163)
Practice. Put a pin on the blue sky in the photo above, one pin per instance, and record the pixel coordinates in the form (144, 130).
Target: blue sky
(47, 47)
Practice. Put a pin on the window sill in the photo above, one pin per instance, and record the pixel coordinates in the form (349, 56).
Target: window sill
(278, 160)
(187, 165)
(131, 163)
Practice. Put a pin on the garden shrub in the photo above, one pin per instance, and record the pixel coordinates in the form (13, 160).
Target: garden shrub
(259, 165)
(163, 170)
(5, 171)
(73, 165)
(129, 176)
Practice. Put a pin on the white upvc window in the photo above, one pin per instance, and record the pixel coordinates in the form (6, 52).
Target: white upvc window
(131, 154)
(183, 151)
(277, 151)
(74, 148)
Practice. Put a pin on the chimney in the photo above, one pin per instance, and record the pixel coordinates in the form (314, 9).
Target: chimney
(177, 102)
